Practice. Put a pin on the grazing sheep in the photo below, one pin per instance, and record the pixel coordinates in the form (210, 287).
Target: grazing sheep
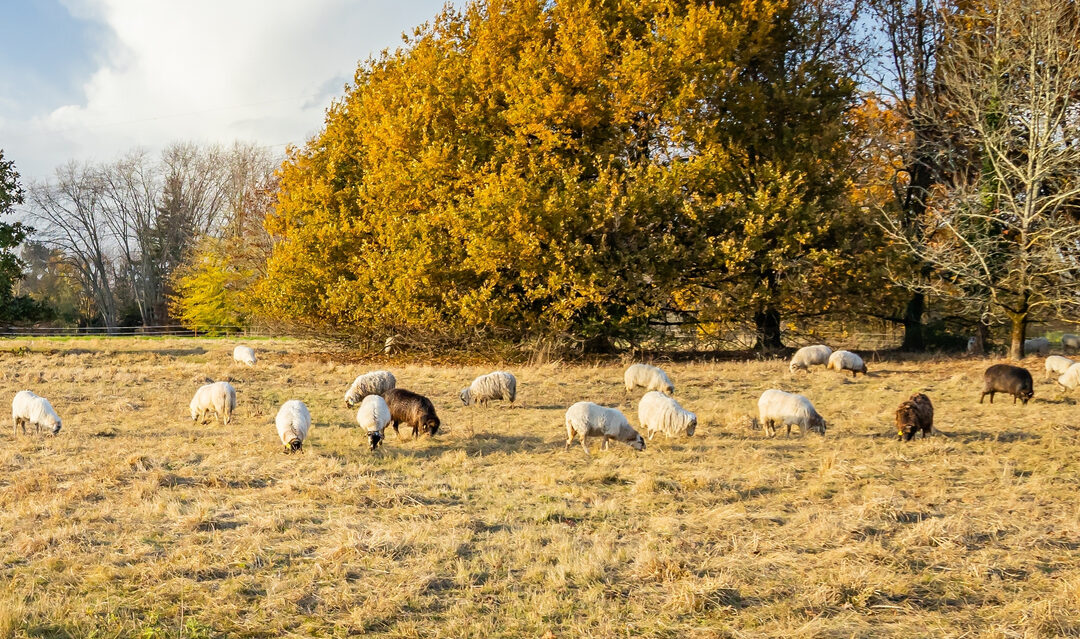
(411, 409)
(373, 415)
(648, 377)
(846, 361)
(1070, 342)
(293, 423)
(1006, 378)
(373, 383)
(777, 407)
(1071, 378)
(658, 412)
(218, 398)
(497, 385)
(1057, 365)
(913, 415)
(1037, 346)
(971, 345)
(30, 408)
(244, 355)
(808, 356)
(588, 419)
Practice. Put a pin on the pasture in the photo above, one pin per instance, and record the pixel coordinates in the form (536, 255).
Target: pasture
(136, 522)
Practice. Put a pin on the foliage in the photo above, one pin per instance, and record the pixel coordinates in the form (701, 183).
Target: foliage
(11, 235)
(577, 169)
(210, 290)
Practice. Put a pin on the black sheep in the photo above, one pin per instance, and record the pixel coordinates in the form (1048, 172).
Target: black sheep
(411, 409)
(1006, 378)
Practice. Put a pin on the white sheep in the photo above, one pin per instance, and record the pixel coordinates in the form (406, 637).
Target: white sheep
(1057, 365)
(971, 345)
(777, 407)
(293, 422)
(846, 361)
(1070, 342)
(373, 383)
(648, 377)
(1071, 378)
(373, 415)
(808, 356)
(659, 413)
(30, 408)
(591, 420)
(244, 355)
(497, 385)
(1037, 346)
(218, 398)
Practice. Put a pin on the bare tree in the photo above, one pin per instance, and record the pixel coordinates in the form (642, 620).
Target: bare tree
(74, 219)
(1002, 235)
(911, 32)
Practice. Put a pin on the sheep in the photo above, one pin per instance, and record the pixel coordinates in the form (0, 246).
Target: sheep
(589, 419)
(808, 356)
(497, 385)
(1071, 378)
(373, 415)
(658, 412)
(411, 409)
(1037, 346)
(218, 398)
(913, 415)
(971, 345)
(373, 383)
(777, 407)
(846, 361)
(1005, 378)
(648, 377)
(29, 408)
(293, 423)
(244, 355)
(1070, 342)
(1057, 365)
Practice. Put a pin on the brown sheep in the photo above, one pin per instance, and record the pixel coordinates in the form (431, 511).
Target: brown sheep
(411, 409)
(913, 415)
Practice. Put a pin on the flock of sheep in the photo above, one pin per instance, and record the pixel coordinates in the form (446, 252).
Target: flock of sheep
(382, 404)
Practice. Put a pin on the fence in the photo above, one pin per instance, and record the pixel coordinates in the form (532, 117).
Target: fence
(127, 331)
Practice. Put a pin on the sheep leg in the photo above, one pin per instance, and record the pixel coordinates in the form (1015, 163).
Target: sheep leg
(651, 433)
(584, 446)
(570, 433)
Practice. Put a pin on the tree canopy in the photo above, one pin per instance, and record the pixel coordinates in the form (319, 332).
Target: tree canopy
(523, 168)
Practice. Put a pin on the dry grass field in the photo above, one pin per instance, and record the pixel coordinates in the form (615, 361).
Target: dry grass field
(135, 522)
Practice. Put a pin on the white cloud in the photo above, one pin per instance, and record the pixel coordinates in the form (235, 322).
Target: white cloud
(210, 71)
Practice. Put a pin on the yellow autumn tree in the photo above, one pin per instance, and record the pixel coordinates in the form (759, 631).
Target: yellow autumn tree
(579, 168)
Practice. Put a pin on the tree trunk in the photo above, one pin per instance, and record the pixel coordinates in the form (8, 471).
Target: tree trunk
(982, 338)
(914, 339)
(767, 322)
(1019, 331)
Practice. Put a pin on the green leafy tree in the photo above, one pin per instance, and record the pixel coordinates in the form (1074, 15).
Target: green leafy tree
(11, 235)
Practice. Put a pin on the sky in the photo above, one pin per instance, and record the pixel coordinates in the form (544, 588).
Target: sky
(87, 80)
